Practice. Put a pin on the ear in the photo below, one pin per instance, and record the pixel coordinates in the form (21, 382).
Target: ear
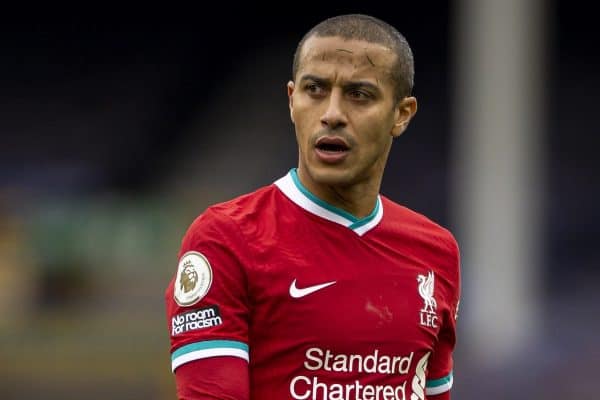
(290, 91)
(405, 110)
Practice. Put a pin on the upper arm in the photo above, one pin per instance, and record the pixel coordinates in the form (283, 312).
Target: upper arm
(207, 312)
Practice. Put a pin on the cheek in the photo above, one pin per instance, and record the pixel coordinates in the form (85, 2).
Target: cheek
(302, 129)
(304, 120)
(376, 129)
(375, 138)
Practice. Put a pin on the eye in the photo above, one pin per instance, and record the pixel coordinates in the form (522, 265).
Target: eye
(360, 95)
(314, 89)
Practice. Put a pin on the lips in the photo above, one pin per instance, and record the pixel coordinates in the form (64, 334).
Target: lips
(332, 144)
(331, 149)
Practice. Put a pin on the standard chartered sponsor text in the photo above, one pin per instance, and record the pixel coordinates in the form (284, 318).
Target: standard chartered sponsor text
(307, 387)
(317, 359)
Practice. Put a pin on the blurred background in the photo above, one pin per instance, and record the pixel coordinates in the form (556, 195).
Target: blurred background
(116, 132)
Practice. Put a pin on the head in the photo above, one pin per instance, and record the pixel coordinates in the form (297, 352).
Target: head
(349, 98)
(372, 30)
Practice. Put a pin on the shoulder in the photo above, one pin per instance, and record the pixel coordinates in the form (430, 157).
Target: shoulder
(419, 228)
(232, 214)
(245, 205)
(414, 220)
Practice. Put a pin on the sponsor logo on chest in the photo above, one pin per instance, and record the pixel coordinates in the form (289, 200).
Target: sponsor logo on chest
(323, 367)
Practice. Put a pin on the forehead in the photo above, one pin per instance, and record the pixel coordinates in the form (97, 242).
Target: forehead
(357, 57)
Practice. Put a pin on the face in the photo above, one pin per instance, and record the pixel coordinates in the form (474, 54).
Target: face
(345, 115)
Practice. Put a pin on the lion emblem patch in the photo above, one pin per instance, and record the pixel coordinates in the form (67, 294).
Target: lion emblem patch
(194, 277)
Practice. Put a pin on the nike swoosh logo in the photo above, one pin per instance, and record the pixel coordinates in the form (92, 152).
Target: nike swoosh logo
(296, 292)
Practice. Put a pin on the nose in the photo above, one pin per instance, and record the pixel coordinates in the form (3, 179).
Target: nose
(334, 115)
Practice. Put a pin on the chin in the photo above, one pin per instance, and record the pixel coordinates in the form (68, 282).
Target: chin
(331, 175)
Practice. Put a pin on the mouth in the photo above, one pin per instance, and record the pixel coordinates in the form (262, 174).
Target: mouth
(331, 150)
(331, 145)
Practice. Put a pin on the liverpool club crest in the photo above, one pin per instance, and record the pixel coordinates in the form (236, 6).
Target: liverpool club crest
(428, 316)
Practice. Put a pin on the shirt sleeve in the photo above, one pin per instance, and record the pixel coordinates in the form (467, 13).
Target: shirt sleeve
(207, 299)
(440, 371)
(217, 378)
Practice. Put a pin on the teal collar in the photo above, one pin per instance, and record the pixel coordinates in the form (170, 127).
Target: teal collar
(291, 186)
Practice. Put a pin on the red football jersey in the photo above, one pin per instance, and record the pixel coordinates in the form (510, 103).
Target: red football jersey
(321, 304)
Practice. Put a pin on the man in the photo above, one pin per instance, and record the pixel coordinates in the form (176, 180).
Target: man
(317, 287)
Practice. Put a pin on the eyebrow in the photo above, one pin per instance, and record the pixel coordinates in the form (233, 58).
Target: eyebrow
(309, 77)
(349, 85)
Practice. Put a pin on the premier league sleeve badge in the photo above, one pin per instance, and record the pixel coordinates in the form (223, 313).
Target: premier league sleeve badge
(193, 280)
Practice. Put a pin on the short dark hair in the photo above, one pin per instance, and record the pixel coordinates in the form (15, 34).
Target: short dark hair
(373, 30)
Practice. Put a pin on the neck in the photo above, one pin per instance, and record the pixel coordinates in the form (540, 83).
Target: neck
(357, 198)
